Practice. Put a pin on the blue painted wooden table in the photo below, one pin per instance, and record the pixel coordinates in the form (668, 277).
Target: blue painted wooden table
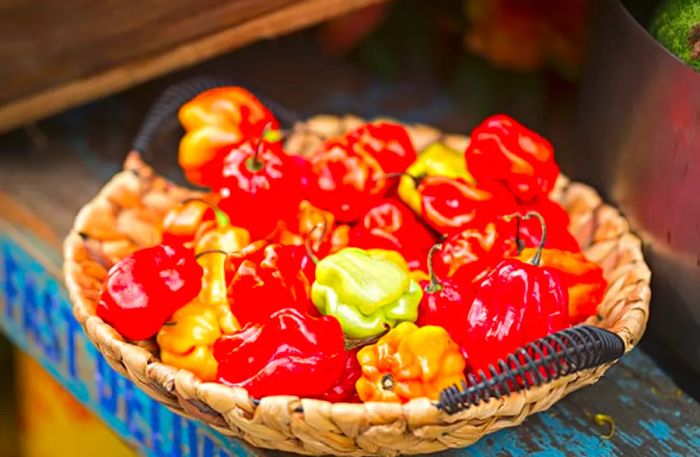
(47, 173)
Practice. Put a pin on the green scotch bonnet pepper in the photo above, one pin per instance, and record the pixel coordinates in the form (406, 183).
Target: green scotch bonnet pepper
(365, 293)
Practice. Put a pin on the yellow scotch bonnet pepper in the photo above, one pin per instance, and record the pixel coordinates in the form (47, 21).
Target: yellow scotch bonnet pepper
(365, 291)
(436, 160)
(187, 341)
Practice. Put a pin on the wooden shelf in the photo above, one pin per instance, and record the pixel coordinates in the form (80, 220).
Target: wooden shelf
(67, 52)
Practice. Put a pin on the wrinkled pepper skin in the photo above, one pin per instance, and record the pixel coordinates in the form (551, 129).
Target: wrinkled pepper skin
(344, 388)
(467, 254)
(264, 278)
(389, 224)
(409, 362)
(346, 181)
(436, 160)
(583, 279)
(451, 205)
(289, 353)
(366, 294)
(184, 221)
(315, 225)
(215, 121)
(145, 288)
(187, 340)
(446, 302)
(515, 304)
(259, 190)
(214, 291)
(503, 150)
(388, 143)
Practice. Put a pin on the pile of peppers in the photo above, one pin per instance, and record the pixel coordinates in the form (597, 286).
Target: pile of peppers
(365, 271)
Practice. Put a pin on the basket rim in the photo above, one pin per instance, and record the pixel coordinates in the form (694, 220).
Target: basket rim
(138, 363)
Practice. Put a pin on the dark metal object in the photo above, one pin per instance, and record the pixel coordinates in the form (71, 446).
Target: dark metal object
(639, 143)
(556, 355)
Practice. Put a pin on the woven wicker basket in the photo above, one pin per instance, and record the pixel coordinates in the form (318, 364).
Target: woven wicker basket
(127, 214)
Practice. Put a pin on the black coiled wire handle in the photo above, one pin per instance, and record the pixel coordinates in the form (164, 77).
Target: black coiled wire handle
(556, 355)
(163, 112)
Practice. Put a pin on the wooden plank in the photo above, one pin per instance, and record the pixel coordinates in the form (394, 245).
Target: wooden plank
(153, 41)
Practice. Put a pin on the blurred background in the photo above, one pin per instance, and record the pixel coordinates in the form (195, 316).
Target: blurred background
(448, 63)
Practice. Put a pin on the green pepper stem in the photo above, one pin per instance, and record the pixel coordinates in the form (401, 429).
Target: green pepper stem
(211, 251)
(254, 163)
(434, 285)
(222, 219)
(535, 260)
(307, 241)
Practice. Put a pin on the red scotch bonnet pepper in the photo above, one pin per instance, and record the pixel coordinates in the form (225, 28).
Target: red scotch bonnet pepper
(503, 150)
(389, 224)
(516, 303)
(261, 184)
(388, 143)
(288, 353)
(445, 302)
(145, 288)
(264, 278)
(346, 181)
(465, 255)
(450, 205)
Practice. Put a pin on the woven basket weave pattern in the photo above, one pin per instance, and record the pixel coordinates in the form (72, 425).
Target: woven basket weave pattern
(127, 214)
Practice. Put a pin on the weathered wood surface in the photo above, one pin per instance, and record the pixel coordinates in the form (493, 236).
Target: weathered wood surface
(47, 173)
(60, 53)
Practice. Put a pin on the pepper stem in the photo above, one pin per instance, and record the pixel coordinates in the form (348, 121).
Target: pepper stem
(254, 163)
(399, 174)
(211, 251)
(434, 285)
(535, 260)
(307, 241)
(222, 219)
(388, 382)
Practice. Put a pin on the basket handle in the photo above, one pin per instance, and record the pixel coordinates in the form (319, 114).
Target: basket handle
(546, 359)
(164, 109)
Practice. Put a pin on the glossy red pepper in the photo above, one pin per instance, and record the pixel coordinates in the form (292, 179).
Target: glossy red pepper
(388, 143)
(346, 181)
(503, 150)
(261, 185)
(467, 254)
(145, 288)
(451, 205)
(389, 224)
(557, 220)
(288, 353)
(264, 278)
(516, 303)
(344, 388)
(446, 302)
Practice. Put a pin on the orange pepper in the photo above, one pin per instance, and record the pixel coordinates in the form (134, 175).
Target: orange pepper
(309, 217)
(583, 279)
(215, 121)
(186, 221)
(409, 362)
